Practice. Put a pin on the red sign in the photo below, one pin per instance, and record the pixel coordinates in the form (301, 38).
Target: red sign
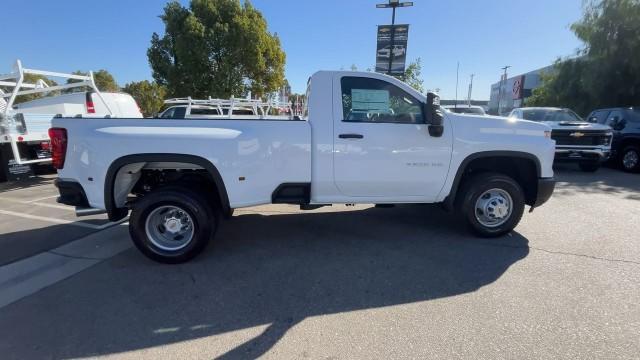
(518, 87)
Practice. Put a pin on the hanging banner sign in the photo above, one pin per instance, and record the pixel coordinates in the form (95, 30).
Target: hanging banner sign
(385, 50)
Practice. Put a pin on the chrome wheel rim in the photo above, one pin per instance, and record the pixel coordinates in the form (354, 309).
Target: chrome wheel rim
(630, 159)
(493, 208)
(169, 228)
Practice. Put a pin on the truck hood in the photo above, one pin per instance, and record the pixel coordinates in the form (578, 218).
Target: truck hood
(574, 125)
(497, 123)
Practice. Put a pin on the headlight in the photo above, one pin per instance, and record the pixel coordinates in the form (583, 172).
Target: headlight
(547, 134)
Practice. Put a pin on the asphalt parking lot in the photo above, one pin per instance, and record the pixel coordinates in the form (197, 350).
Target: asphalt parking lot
(32, 221)
(333, 283)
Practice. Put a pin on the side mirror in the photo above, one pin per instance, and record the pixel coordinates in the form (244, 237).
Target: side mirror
(433, 115)
(593, 119)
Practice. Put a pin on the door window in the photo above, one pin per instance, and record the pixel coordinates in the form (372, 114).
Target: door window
(599, 116)
(377, 101)
(168, 114)
(179, 113)
(614, 117)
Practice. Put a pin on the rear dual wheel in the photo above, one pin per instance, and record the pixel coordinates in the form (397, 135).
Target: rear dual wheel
(172, 224)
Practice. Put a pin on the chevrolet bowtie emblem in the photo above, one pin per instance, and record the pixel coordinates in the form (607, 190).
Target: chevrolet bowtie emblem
(577, 134)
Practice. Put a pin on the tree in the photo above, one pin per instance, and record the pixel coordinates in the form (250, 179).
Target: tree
(216, 48)
(413, 75)
(103, 79)
(605, 72)
(149, 96)
(33, 79)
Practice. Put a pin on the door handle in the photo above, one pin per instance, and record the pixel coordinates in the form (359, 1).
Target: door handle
(350, 136)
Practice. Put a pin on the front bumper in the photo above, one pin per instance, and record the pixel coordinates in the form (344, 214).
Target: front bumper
(545, 190)
(582, 154)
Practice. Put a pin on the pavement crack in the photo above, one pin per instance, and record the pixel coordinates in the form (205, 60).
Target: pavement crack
(563, 253)
(586, 256)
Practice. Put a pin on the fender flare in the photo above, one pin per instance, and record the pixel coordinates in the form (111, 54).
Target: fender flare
(450, 199)
(116, 214)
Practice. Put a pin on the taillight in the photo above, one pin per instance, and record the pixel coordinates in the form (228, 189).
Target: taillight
(58, 146)
(89, 102)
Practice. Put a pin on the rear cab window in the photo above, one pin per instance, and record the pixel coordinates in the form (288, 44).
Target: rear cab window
(204, 111)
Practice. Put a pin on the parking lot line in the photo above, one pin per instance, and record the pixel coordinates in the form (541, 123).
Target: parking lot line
(42, 198)
(53, 206)
(61, 221)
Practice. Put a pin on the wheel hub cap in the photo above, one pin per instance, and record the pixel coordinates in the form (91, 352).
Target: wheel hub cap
(493, 207)
(169, 228)
(173, 225)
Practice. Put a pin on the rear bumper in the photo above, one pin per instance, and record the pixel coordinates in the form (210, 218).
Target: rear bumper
(545, 190)
(71, 193)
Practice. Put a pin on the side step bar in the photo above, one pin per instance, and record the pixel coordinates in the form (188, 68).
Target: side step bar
(86, 211)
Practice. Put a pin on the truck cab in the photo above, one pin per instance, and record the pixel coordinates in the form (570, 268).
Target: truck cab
(363, 138)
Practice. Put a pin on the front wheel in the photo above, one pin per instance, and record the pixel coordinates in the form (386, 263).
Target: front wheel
(172, 225)
(491, 204)
(630, 159)
(592, 166)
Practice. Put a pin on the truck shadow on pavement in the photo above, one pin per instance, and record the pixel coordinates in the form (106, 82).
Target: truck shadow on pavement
(270, 269)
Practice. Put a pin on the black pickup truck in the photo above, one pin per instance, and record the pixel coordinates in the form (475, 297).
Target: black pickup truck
(625, 122)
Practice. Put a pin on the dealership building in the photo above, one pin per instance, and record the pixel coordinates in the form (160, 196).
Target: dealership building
(511, 93)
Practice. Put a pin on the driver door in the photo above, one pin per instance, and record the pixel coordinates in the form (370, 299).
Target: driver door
(382, 147)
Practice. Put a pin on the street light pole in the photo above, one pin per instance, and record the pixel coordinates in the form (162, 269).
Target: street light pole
(503, 78)
(393, 36)
(393, 4)
(470, 89)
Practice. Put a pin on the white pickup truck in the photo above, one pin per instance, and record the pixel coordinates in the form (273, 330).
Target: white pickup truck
(364, 138)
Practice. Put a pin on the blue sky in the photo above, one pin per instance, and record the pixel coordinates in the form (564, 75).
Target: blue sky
(321, 34)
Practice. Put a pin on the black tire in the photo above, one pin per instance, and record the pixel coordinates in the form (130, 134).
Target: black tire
(626, 165)
(203, 218)
(476, 186)
(589, 166)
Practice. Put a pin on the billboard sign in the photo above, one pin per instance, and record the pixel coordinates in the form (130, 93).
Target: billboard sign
(518, 88)
(397, 53)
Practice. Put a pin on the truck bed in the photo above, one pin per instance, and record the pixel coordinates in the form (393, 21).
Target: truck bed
(253, 156)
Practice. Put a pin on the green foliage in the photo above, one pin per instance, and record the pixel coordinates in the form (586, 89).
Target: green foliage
(413, 75)
(104, 81)
(216, 48)
(32, 79)
(606, 72)
(149, 96)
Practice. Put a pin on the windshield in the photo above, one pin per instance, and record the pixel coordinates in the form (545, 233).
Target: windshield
(559, 115)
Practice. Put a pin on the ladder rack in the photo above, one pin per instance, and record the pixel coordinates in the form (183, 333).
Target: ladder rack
(259, 107)
(15, 82)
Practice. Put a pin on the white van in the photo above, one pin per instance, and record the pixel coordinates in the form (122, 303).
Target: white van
(83, 103)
